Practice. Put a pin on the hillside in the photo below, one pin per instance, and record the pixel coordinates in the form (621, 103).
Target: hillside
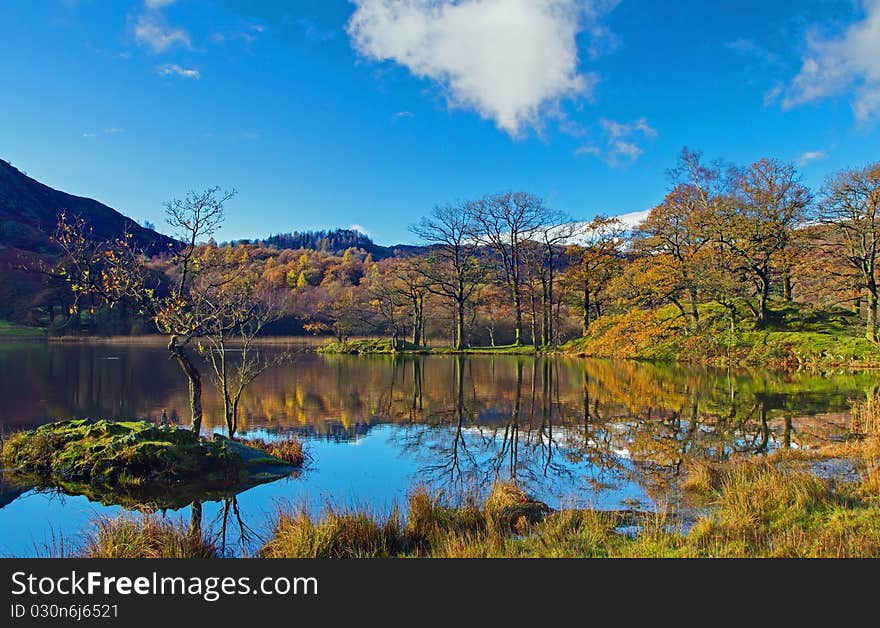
(29, 214)
(333, 242)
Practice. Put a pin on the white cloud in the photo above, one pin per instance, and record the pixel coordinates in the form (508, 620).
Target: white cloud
(810, 155)
(157, 4)
(172, 69)
(618, 143)
(151, 30)
(845, 63)
(509, 60)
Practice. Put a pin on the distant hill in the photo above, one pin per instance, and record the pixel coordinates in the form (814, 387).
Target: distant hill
(29, 215)
(333, 241)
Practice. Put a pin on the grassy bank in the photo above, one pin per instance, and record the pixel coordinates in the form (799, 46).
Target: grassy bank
(795, 336)
(776, 506)
(759, 508)
(384, 346)
(10, 330)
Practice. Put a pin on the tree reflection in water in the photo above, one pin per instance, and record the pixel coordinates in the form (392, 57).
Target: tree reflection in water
(560, 427)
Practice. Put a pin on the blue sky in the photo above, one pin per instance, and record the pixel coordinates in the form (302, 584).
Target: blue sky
(326, 113)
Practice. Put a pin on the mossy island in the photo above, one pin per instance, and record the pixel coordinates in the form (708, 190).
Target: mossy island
(138, 462)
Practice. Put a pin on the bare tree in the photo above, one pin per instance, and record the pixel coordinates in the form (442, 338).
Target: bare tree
(557, 231)
(451, 267)
(117, 271)
(507, 221)
(241, 311)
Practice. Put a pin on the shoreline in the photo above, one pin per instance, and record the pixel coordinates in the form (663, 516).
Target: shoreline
(381, 346)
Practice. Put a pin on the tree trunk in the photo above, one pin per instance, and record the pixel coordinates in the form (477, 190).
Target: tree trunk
(551, 327)
(763, 295)
(786, 285)
(517, 309)
(545, 319)
(871, 329)
(459, 327)
(534, 305)
(695, 312)
(586, 305)
(195, 383)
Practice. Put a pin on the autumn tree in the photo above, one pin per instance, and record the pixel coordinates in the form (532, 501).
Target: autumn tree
(387, 296)
(850, 206)
(117, 271)
(757, 223)
(673, 236)
(593, 263)
(408, 281)
(241, 308)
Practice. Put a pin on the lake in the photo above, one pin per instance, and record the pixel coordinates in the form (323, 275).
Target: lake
(604, 434)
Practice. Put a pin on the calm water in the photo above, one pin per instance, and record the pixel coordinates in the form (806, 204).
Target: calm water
(599, 433)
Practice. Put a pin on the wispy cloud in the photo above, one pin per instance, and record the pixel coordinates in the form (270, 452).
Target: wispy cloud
(844, 63)
(749, 48)
(619, 142)
(151, 30)
(313, 31)
(248, 34)
(402, 114)
(810, 156)
(172, 69)
(113, 130)
(511, 61)
(158, 4)
(773, 94)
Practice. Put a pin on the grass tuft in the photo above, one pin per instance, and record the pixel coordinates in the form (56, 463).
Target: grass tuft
(146, 537)
(289, 449)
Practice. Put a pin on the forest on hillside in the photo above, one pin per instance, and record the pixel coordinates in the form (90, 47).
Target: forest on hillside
(738, 244)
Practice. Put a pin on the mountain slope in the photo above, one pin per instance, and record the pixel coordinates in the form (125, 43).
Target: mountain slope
(29, 215)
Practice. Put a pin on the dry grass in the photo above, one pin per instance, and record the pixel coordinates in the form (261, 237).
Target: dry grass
(288, 449)
(336, 535)
(761, 507)
(146, 537)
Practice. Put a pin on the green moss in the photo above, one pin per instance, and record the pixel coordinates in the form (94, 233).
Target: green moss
(386, 346)
(11, 330)
(135, 461)
(370, 345)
